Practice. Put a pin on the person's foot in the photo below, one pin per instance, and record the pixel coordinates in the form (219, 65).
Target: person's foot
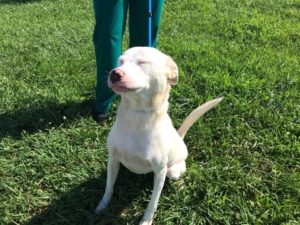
(100, 117)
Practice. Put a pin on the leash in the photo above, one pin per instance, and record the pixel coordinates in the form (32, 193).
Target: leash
(149, 23)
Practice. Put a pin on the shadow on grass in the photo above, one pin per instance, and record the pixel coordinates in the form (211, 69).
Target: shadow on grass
(77, 206)
(18, 1)
(46, 115)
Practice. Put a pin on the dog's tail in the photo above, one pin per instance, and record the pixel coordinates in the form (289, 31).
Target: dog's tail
(196, 114)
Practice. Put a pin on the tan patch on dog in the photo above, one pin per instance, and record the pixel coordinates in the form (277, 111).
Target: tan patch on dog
(172, 71)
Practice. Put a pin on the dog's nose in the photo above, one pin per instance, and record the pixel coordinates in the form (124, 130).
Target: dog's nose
(115, 75)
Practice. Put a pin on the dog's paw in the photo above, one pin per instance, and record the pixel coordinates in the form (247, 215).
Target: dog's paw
(145, 222)
(102, 205)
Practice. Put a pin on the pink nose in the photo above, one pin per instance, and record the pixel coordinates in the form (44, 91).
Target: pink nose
(116, 75)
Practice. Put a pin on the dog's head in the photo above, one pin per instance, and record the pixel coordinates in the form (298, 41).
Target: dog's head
(143, 71)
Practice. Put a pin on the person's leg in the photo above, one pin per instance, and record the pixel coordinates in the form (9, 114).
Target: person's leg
(110, 18)
(138, 21)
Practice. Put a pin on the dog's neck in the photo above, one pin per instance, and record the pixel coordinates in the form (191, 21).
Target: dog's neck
(155, 104)
(146, 106)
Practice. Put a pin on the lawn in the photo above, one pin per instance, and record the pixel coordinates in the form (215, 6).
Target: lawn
(244, 162)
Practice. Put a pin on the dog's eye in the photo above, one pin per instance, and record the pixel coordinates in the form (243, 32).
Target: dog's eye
(141, 62)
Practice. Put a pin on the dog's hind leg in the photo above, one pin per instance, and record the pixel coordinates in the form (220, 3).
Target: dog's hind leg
(176, 170)
(112, 173)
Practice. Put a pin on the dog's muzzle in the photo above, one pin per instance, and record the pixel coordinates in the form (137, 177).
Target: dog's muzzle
(115, 76)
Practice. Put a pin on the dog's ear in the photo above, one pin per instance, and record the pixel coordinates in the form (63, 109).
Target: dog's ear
(172, 71)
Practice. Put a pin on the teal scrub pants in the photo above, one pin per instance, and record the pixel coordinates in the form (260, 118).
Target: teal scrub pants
(110, 24)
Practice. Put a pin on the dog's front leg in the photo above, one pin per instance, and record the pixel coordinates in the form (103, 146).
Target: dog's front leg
(112, 173)
(159, 180)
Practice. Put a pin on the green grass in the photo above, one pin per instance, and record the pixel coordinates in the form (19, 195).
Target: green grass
(244, 162)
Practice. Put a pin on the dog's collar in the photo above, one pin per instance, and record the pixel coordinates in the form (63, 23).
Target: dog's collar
(161, 109)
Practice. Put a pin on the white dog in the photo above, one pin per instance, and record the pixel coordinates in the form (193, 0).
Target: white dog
(143, 138)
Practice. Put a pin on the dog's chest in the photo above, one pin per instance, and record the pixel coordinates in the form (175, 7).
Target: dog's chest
(135, 150)
(132, 162)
